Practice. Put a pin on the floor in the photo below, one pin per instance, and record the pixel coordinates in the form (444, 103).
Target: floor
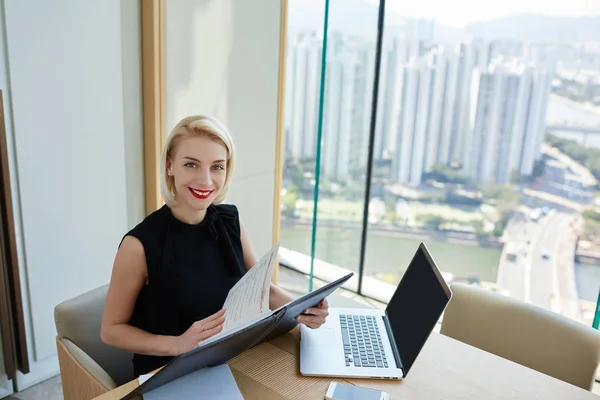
(292, 281)
(47, 390)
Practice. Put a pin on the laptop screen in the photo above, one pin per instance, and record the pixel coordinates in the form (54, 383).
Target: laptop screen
(416, 306)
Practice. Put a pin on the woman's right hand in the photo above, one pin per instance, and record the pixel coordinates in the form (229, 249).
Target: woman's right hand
(199, 331)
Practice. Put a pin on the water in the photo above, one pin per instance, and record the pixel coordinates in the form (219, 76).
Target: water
(565, 112)
(387, 257)
(584, 139)
(588, 281)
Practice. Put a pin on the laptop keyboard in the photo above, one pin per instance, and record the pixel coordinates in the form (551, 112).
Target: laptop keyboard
(362, 341)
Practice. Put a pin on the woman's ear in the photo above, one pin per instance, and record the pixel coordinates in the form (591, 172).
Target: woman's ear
(169, 166)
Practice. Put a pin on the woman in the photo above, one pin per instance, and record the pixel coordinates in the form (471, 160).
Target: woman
(172, 272)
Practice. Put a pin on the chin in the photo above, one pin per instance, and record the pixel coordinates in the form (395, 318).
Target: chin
(199, 205)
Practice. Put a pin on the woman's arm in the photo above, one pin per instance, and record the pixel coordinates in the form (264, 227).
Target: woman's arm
(128, 276)
(313, 317)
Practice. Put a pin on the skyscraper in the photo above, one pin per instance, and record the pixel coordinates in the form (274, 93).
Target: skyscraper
(407, 116)
(390, 91)
(302, 114)
(338, 115)
(439, 61)
(536, 119)
(509, 103)
(364, 71)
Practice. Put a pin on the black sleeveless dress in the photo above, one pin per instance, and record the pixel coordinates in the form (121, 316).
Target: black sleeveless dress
(191, 268)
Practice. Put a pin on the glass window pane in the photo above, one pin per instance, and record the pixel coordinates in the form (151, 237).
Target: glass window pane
(487, 148)
(347, 92)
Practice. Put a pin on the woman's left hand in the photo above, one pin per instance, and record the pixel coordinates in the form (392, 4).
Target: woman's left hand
(314, 317)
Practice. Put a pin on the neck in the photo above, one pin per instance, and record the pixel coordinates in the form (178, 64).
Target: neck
(187, 214)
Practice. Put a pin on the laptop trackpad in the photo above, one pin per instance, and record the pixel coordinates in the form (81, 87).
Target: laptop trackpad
(322, 337)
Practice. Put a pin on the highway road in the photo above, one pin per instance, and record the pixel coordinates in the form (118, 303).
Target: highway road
(531, 277)
(542, 270)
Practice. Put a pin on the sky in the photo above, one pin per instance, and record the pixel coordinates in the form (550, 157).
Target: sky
(458, 13)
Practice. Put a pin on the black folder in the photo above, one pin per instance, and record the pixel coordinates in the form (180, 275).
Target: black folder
(230, 345)
(215, 353)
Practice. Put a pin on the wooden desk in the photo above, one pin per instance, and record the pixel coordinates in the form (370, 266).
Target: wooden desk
(445, 369)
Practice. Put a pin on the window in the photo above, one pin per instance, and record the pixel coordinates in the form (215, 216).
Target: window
(486, 146)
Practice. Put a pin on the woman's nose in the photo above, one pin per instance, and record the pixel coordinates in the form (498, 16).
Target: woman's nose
(204, 177)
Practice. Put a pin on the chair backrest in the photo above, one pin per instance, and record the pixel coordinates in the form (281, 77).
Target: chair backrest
(79, 320)
(526, 334)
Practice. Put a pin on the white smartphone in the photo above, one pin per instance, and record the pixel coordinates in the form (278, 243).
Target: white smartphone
(342, 391)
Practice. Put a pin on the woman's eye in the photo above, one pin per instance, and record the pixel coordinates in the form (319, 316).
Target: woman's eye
(218, 167)
(190, 165)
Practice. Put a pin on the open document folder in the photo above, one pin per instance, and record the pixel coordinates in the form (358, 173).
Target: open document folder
(248, 301)
(248, 321)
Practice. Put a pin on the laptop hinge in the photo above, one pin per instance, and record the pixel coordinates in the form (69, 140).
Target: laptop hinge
(388, 328)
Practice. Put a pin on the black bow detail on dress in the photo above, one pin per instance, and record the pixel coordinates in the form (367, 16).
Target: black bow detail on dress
(214, 215)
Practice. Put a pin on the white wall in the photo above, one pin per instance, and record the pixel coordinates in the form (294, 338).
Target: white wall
(222, 59)
(131, 60)
(75, 151)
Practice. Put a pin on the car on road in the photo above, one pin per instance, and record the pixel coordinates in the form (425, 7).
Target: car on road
(535, 215)
(544, 254)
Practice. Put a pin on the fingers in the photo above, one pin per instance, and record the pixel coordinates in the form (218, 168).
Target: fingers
(317, 311)
(321, 310)
(210, 332)
(312, 321)
(214, 323)
(214, 316)
(314, 317)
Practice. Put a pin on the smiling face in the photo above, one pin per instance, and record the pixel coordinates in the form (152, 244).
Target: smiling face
(198, 167)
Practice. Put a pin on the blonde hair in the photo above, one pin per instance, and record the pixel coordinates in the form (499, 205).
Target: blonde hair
(195, 126)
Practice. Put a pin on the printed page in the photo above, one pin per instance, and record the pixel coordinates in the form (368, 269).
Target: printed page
(248, 301)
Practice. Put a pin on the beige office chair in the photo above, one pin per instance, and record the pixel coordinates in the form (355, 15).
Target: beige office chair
(88, 367)
(523, 333)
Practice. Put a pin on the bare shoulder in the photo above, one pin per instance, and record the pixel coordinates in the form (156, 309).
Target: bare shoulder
(131, 257)
(132, 245)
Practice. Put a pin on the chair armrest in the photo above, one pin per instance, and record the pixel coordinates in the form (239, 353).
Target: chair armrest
(82, 378)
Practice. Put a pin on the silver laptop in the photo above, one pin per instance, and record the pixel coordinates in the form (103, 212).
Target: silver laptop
(367, 343)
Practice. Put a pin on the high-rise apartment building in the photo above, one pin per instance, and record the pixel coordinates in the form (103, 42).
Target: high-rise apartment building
(509, 103)
(304, 66)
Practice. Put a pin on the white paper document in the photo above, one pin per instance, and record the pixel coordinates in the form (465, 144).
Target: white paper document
(206, 383)
(248, 301)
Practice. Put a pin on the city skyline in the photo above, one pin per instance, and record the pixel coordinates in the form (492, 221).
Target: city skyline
(438, 104)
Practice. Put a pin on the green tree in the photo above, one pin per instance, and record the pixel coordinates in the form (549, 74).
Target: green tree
(390, 202)
(586, 156)
(431, 221)
(515, 176)
(289, 200)
(446, 174)
(506, 200)
(591, 215)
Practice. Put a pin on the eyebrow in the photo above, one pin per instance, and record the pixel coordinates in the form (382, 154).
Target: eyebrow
(200, 162)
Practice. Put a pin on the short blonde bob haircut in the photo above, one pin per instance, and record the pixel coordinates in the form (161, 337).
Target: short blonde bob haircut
(195, 126)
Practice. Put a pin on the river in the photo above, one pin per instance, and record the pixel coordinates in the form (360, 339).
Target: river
(387, 257)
